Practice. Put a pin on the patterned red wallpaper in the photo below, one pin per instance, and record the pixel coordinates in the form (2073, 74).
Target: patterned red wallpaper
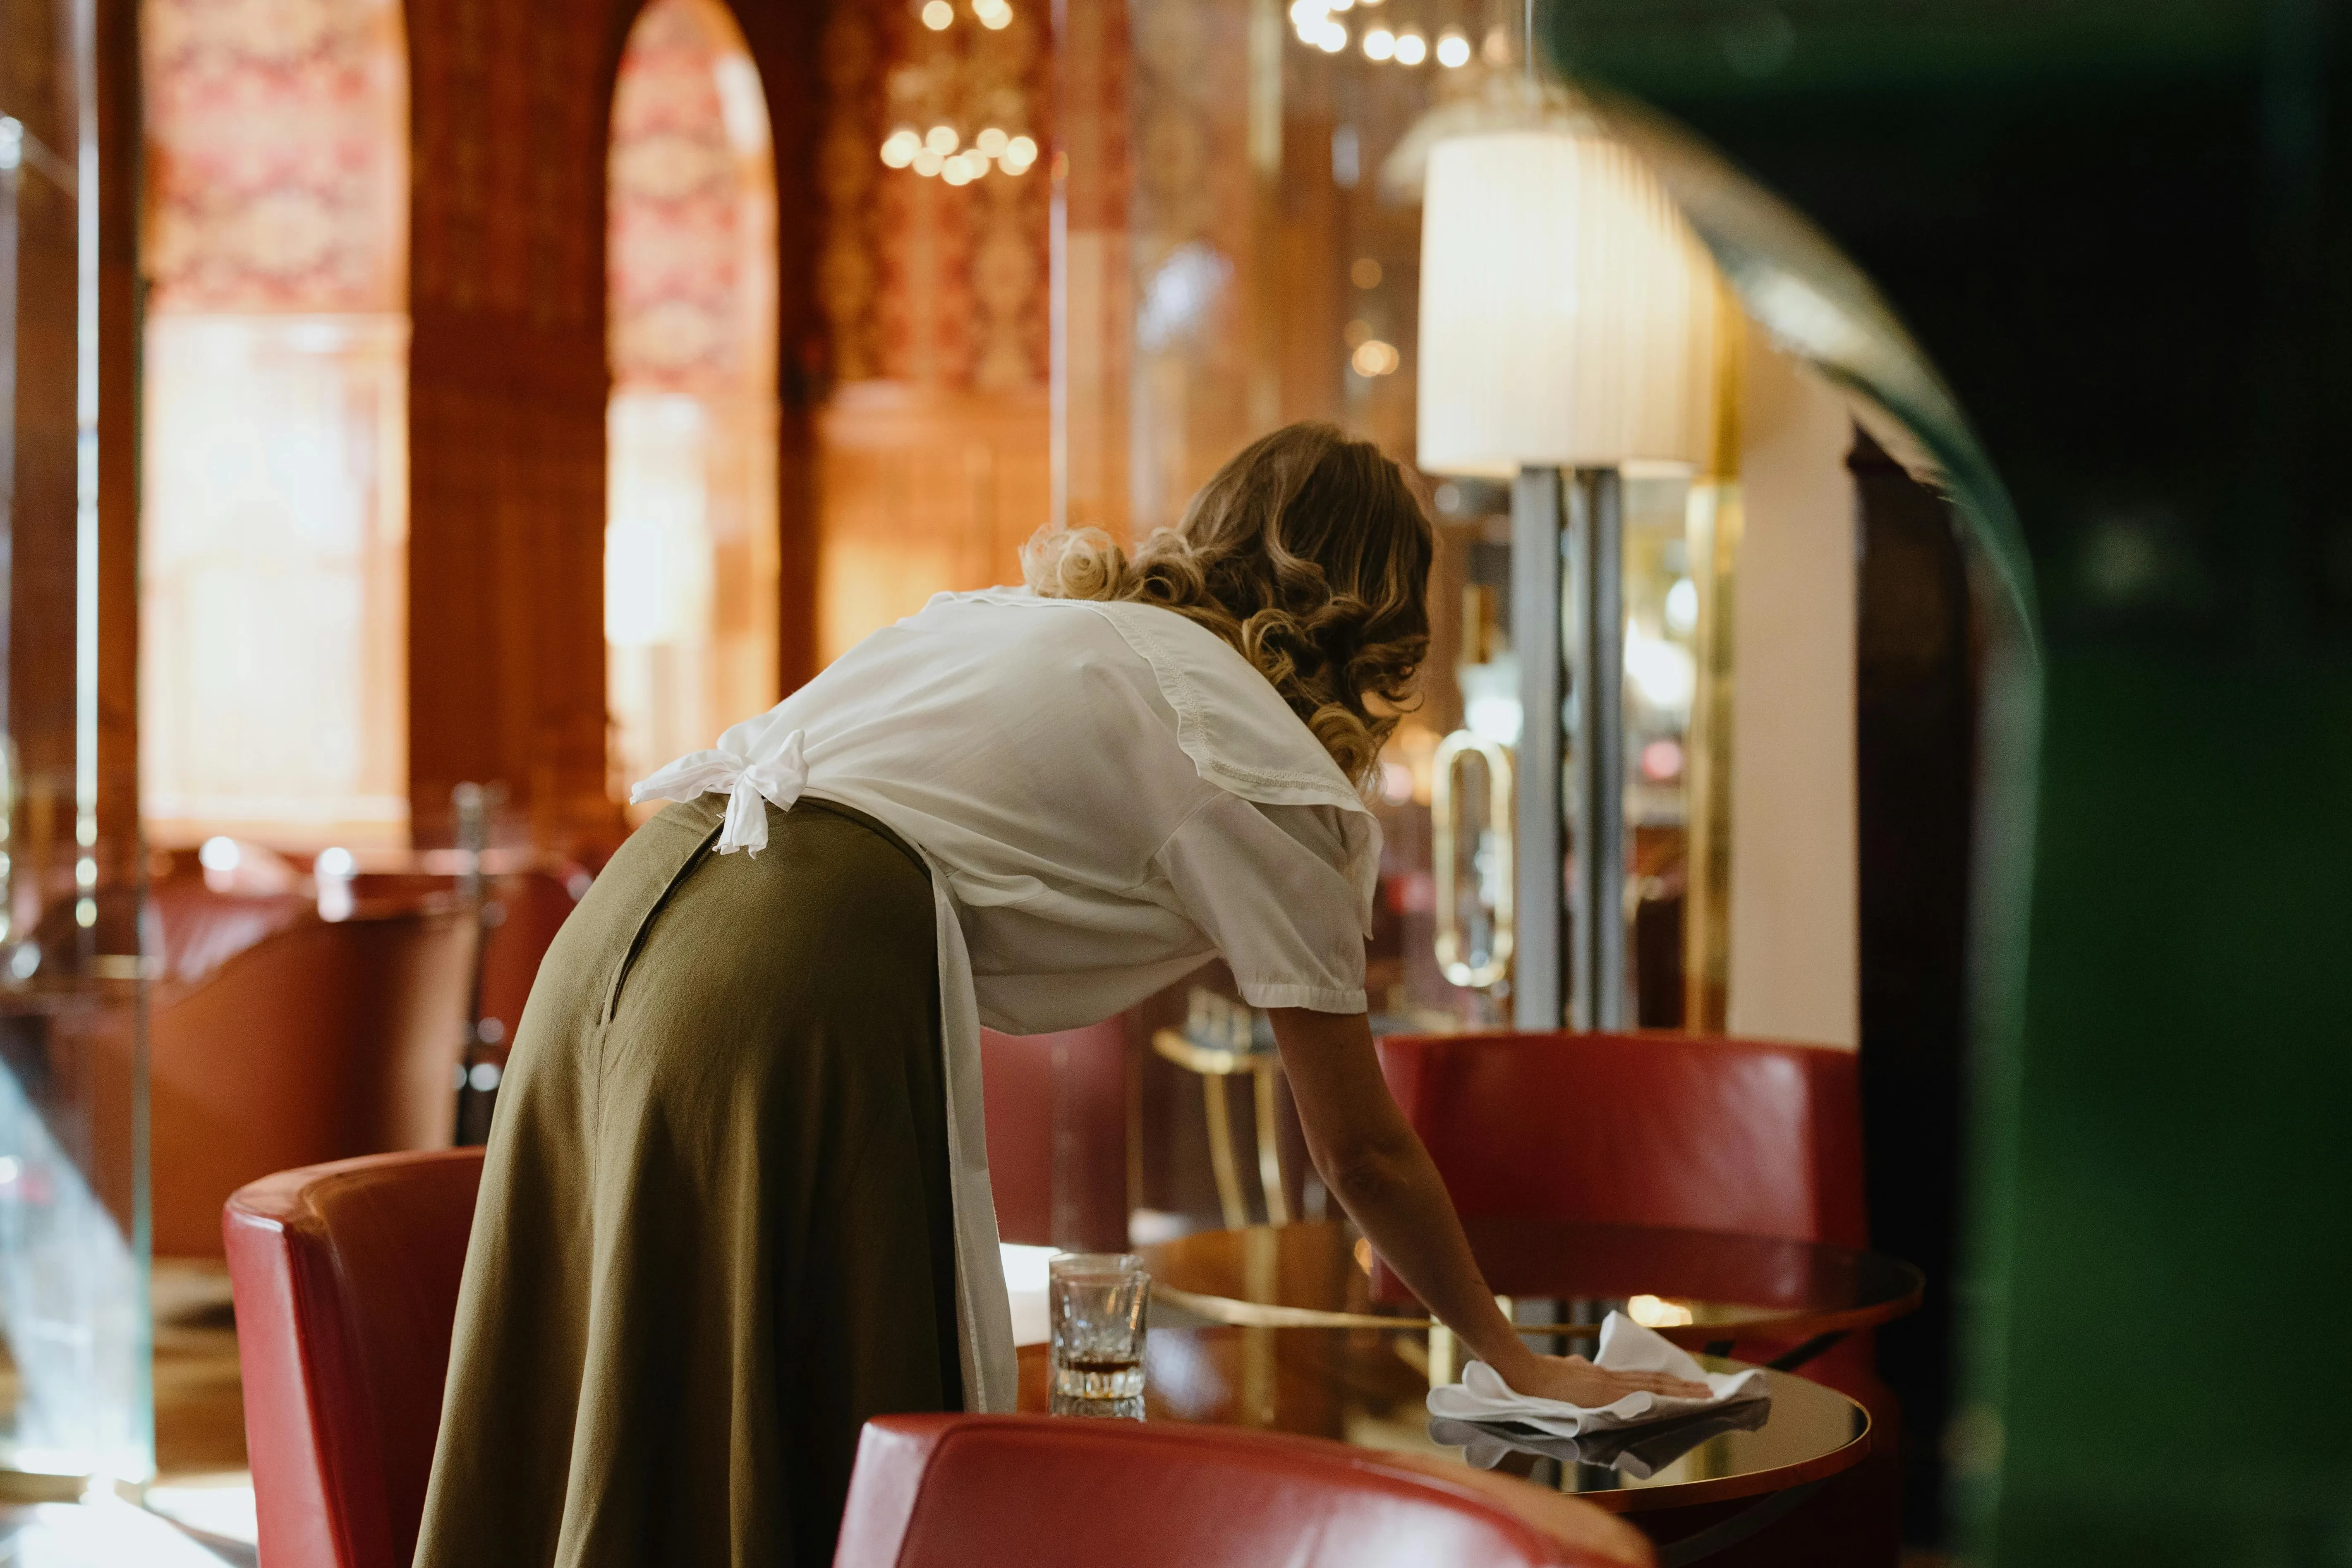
(277, 143)
(923, 281)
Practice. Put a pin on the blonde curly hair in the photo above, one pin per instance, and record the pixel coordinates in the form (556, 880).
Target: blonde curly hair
(1309, 553)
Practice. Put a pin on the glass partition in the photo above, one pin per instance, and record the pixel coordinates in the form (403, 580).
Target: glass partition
(73, 1242)
(1239, 245)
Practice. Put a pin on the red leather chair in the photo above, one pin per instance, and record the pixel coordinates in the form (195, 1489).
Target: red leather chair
(1030, 1491)
(279, 1039)
(533, 903)
(1057, 1108)
(1752, 1136)
(1758, 1137)
(346, 1281)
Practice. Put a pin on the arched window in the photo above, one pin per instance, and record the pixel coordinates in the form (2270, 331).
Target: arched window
(273, 691)
(690, 541)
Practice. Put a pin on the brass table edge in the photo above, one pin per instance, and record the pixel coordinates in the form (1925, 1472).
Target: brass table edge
(1624, 1500)
(1753, 1483)
(28, 1487)
(1773, 1325)
(1235, 1313)
(1793, 1324)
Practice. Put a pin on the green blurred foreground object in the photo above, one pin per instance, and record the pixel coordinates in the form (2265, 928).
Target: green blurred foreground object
(2120, 231)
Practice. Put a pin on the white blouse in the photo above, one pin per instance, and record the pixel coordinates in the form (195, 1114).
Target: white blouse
(1107, 793)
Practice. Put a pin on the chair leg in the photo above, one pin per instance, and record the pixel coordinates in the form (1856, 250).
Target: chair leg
(1269, 1149)
(1221, 1152)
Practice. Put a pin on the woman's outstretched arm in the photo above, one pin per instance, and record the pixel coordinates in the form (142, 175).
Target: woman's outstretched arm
(1377, 1168)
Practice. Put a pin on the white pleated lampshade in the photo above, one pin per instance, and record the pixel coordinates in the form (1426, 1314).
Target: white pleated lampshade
(1568, 313)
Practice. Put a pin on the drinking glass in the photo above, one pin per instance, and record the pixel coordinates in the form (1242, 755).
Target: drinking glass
(1097, 1304)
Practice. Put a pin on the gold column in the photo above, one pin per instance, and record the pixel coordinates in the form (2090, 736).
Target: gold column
(1713, 531)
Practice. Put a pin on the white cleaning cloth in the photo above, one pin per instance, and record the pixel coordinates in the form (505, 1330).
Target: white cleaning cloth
(1636, 1452)
(1625, 1346)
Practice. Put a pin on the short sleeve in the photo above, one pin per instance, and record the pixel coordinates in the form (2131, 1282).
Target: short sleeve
(1284, 893)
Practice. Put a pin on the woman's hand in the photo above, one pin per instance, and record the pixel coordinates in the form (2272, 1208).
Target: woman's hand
(1576, 1381)
(1377, 1170)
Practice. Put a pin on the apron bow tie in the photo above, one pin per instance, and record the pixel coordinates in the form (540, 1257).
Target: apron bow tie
(777, 779)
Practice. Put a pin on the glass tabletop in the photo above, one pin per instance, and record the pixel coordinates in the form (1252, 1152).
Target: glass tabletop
(1367, 1387)
(1698, 1287)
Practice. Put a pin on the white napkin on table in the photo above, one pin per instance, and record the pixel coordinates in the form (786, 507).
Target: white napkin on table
(1638, 1452)
(1028, 1279)
(1625, 1346)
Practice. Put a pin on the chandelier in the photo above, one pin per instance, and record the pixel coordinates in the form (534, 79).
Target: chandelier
(936, 101)
(1319, 25)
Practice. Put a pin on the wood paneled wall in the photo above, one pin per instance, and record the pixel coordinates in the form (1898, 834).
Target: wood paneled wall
(506, 393)
(1092, 70)
(932, 449)
(925, 490)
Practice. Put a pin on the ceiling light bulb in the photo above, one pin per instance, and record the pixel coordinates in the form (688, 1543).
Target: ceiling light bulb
(1452, 50)
(928, 162)
(1411, 49)
(937, 15)
(1020, 150)
(1380, 44)
(1307, 13)
(1332, 38)
(899, 149)
(956, 172)
(992, 143)
(942, 140)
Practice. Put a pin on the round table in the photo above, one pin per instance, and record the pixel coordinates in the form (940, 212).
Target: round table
(1693, 1486)
(1703, 1289)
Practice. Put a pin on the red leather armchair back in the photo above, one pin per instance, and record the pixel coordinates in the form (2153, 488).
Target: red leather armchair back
(1016, 1492)
(1057, 1108)
(534, 904)
(1661, 1129)
(346, 1281)
(1757, 1137)
(278, 1039)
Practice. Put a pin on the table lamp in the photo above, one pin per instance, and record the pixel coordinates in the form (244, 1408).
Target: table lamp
(1568, 320)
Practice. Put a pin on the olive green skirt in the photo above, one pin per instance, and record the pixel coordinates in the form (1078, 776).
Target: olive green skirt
(715, 1232)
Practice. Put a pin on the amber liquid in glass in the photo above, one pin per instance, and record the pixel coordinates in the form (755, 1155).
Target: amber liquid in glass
(1099, 1377)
